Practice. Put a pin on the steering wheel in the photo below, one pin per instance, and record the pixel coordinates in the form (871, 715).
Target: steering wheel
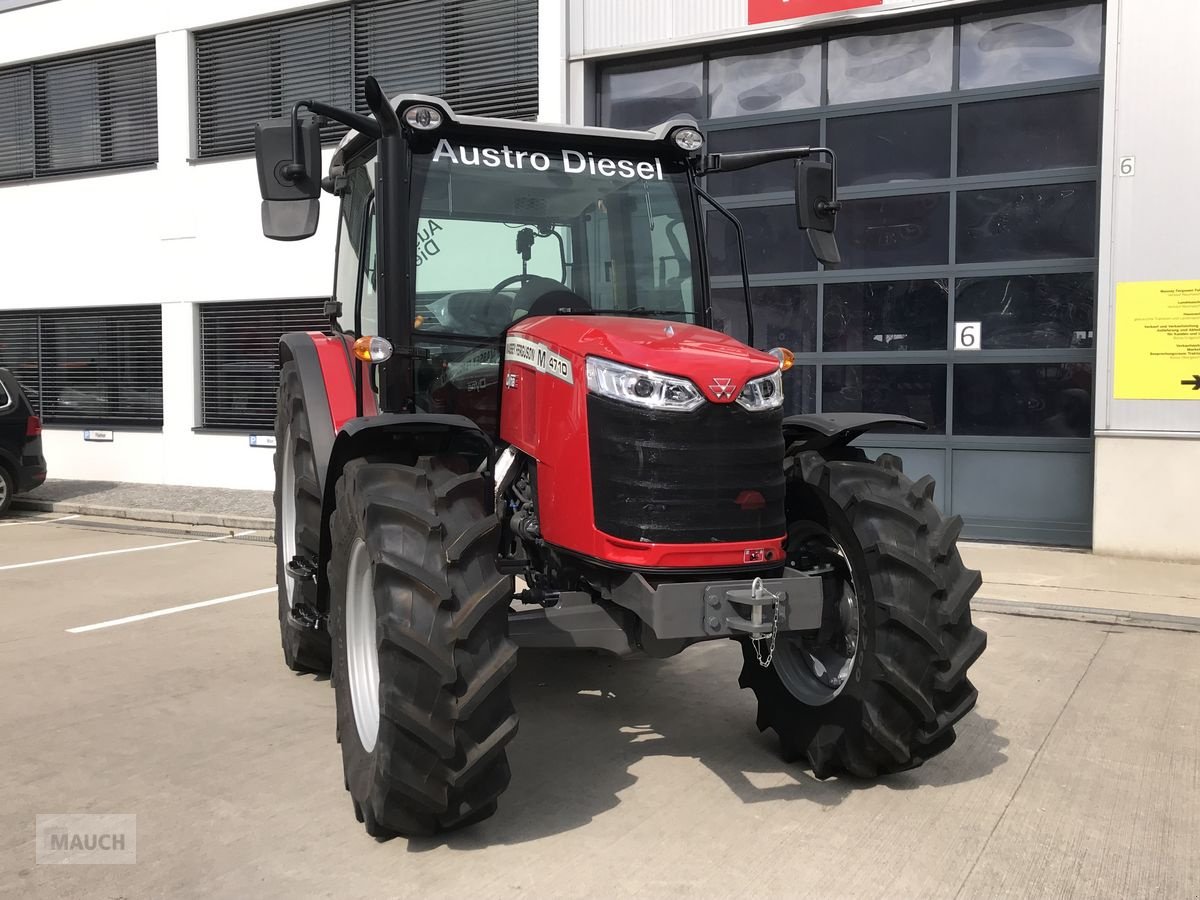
(509, 280)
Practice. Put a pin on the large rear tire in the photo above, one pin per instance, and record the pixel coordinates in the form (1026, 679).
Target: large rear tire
(297, 526)
(885, 688)
(422, 659)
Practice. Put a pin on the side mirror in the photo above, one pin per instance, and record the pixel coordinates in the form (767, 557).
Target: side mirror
(289, 177)
(817, 207)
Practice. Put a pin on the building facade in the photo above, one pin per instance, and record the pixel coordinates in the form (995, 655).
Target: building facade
(1012, 175)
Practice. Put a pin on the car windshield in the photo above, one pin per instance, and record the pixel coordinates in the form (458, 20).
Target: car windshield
(504, 232)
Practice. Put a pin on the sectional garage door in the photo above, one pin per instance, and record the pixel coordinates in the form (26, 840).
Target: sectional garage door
(968, 152)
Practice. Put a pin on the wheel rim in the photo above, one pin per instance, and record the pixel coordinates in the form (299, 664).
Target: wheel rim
(816, 666)
(287, 519)
(362, 654)
(3, 491)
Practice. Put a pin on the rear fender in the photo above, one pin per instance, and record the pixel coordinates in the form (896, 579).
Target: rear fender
(399, 437)
(831, 432)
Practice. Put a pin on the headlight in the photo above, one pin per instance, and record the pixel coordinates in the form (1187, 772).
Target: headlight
(640, 387)
(423, 118)
(763, 393)
(688, 139)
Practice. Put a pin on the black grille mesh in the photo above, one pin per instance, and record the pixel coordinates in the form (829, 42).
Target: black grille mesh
(712, 475)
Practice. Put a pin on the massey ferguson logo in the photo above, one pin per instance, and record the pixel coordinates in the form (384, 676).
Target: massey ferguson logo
(723, 388)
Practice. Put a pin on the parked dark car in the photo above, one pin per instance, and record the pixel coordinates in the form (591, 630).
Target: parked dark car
(22, 466)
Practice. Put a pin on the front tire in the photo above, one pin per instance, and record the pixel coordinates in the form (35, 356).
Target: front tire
(422, 659)
(297, 527)
(907, 644)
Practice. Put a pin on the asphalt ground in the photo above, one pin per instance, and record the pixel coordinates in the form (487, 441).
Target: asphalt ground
(1078, 774)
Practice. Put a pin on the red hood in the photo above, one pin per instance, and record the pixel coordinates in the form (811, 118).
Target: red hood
(719, 365)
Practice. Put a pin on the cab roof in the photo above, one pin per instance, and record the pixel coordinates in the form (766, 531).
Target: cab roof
(355, 141)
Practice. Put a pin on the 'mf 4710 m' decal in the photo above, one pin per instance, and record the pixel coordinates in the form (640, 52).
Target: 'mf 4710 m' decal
(538, 356)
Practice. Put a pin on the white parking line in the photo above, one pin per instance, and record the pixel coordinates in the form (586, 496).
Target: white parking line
(37, 521)
(80, 629)
(47, 562)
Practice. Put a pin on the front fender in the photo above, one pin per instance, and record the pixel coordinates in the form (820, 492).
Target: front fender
(402, 437)
(832, 431)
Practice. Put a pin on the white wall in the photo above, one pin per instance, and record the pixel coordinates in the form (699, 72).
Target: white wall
(178, 234)
(1147, 451)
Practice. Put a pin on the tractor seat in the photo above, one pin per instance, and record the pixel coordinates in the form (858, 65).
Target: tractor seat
(546, 297)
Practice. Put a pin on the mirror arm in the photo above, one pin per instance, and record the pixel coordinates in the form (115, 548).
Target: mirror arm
(741, 239)
(296, 168)
(734, 162)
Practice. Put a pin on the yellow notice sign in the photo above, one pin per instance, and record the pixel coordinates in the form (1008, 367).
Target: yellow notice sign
(1157, 341)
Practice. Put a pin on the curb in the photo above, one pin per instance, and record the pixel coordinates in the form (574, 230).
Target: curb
(145, 515)
(1091, 614)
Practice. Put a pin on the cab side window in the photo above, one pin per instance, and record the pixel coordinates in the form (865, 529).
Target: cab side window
(356, 203)
(367, 320)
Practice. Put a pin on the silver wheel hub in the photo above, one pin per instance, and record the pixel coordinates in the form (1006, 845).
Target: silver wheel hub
(362, 652)
(815, 667)
(287, 523)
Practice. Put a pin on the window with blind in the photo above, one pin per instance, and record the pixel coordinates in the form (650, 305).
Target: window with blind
(481, 56)
(239, 358)
(81, 113)
(88, 366)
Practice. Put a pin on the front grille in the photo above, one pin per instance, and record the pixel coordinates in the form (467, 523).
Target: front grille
(714, 474)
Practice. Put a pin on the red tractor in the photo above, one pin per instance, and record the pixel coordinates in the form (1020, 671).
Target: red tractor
(520, 431)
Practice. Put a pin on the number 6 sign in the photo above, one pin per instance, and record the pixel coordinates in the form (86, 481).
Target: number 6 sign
(967, 335)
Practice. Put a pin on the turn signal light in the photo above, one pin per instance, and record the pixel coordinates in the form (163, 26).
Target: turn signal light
(373, 349)
(786, 358)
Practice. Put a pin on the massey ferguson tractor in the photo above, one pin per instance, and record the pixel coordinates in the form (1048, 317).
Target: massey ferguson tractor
(520, 430)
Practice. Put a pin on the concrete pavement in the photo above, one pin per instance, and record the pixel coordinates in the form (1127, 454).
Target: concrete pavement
(1076, 775)
(1081, 585)
(1039, 581)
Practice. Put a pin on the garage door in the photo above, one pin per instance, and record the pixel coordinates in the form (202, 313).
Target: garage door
(967, 157)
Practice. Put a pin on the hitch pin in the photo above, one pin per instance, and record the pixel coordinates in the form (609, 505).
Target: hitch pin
(758, 611)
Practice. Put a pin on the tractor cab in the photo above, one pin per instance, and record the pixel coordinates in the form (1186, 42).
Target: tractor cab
(489, 221)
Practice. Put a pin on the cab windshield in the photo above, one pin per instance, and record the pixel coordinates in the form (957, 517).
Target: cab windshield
(504, 232)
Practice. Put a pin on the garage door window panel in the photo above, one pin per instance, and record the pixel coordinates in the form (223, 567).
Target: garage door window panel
(645, 96)
(888, 316)
(1036, 45)
(918, 391)
(800, 390)
(909, 145)
(1029, 134)
(895, 231)
(1023, 399)
(747, 85)
(773, 242)
(771, 177)
(1027, 312)
(1048, 221)
(886, 66)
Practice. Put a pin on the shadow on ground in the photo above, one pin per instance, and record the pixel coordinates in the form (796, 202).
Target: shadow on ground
(61, 489)
(588, 720)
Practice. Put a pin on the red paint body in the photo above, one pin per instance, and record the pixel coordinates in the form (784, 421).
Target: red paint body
(546, 418)
(335, 354)
(760, 11)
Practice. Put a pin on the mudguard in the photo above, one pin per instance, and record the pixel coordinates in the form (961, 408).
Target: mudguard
(832, 431)
(400, 436)
(326, 380)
